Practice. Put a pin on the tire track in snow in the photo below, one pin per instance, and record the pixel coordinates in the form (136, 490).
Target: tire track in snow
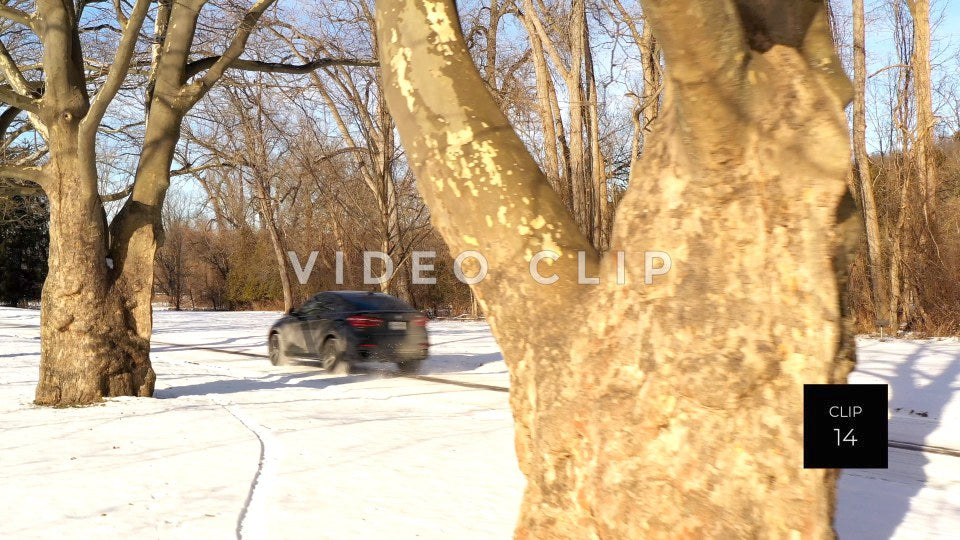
(426, 378)
(252, 521)
(902, 445)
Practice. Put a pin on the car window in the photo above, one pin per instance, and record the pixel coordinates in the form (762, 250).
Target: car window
(376, 302)
(313, 307)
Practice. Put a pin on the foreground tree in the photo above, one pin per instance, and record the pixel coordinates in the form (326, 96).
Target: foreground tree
(678, 412)
(96, 304)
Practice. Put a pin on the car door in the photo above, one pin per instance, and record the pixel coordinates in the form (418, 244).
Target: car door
(295, 337)
(316, 323)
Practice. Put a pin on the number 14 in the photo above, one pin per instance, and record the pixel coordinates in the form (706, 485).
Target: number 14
(846, 438)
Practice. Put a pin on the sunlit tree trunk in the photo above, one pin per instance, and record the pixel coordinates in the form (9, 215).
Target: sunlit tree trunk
(923, 87)
(671, 409)
(864, 180)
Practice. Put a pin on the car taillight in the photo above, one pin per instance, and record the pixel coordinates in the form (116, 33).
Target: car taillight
(420, 321)
(364, 321)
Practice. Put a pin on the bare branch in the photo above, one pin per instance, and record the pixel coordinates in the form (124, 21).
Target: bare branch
(16, 15)
(198, 66)
(22, 172)
(6, 120)
(118, 70)
(14, 189)
(118, 195)
(348, 150)
(892, 66)
(191, 170)
(121, 18)
(12, 72)
(18, 100)
(200, 87)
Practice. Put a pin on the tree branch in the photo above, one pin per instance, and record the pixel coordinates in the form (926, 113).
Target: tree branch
(341, 151)
(118, 195)
(16, 15)
(885, 68)
(9, 189)
(194, 68)
(199, 88)
(190, 169)
(12, 72)
(121, 18)
(18, 100)
(117, 72)
(6, 120)
(22, 172)
(485, 191)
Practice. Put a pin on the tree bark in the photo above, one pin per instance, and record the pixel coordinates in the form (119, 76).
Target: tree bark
(920, 63)
(673, 409)
(89, 349)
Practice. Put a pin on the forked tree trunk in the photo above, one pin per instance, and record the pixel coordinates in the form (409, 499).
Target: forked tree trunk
(91, 344)
(96, 314)
(90, 347)
(674, 409)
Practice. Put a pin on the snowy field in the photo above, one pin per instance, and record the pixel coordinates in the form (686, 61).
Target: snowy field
(237, 447)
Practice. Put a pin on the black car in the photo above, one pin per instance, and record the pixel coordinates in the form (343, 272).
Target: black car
(341, 327)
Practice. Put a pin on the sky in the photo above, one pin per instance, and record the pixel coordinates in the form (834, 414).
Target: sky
(945, 15)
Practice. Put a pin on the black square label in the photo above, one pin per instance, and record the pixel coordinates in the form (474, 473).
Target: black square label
(845, 426)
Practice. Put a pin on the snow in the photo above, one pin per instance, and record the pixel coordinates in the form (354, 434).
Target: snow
(235, 447)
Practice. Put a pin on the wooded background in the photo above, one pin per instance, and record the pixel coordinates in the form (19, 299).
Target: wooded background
(307, 159)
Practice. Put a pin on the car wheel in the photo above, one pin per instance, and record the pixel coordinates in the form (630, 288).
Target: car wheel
(410, 366)
(331, 359)
(274, 350)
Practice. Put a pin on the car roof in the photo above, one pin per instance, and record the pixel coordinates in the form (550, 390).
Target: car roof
(368, 300)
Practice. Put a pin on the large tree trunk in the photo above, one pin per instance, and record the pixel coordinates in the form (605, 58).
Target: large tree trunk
(90, 345)
(673, 409)
(89, 350)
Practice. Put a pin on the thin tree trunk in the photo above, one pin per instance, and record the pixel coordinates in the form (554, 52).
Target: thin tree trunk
(924, 148)
(544, 99)
(580, 166)
(268, 217)
(598, 191)
(864, 181)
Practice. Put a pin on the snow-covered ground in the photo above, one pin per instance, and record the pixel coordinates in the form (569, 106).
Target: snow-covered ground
(237, 446)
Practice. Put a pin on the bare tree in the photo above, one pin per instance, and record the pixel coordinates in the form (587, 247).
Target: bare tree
(96, 305)
(678, 410)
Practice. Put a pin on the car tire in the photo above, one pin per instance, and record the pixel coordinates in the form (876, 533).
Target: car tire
(331, 359)
(275, 351)
(410, 366)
